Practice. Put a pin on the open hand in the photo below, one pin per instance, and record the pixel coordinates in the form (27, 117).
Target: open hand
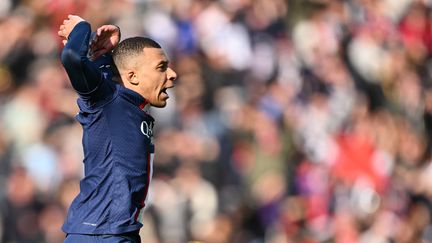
(68, 24)
(107, 37)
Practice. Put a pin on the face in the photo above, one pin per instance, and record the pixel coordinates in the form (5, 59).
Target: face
(153, 77)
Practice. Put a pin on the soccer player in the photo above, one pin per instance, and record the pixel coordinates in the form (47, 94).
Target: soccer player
(118, 130)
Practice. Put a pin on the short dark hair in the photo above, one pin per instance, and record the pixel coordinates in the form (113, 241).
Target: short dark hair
(131, 47)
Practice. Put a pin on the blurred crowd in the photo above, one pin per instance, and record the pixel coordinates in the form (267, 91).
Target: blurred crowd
(292, 121)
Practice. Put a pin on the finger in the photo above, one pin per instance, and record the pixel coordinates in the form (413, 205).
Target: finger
(61, 33)
(101, 45)
(93, 46)
(64, 42)
(102, 29)
(99, 31)
(75, 18)
(98, 53)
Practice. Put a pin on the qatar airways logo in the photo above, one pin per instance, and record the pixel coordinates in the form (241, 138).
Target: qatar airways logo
(147, 129)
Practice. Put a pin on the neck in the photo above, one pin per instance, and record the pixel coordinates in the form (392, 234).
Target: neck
(145, 106)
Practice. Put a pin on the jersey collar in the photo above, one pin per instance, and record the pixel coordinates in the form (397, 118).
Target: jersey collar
(135, 98)
(145, 106)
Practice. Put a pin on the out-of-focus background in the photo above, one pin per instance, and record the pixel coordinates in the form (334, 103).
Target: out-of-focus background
(292, 120)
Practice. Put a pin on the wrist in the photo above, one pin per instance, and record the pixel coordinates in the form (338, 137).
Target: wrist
(77, 26)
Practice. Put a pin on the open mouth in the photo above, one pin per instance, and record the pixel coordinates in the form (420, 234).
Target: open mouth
(164, 93)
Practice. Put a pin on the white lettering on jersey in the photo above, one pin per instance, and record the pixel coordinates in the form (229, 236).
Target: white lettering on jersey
(147, 129)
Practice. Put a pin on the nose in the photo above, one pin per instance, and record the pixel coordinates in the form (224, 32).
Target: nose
(171, 74)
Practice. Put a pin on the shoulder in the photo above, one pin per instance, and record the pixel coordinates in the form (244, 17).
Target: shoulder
(107, 93)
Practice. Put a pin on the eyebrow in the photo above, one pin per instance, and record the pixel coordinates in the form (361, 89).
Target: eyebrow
(163, 63)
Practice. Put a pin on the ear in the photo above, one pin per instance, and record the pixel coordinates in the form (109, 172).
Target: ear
(131, 77)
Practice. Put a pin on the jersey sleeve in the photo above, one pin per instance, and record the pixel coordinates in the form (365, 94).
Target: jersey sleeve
(86, 76)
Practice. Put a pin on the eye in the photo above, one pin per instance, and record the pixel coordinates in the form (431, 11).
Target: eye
(163, 66)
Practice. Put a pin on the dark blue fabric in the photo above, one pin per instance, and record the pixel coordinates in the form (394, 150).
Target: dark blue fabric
(118, 148)
(85, 75)
(125, 238)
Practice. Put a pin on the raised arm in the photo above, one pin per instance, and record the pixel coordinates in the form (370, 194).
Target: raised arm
(84, 74)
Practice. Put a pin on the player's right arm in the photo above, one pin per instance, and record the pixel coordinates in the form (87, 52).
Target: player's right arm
(84, 74)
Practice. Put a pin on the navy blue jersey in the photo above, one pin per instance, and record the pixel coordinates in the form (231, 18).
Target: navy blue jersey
(117, 142)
